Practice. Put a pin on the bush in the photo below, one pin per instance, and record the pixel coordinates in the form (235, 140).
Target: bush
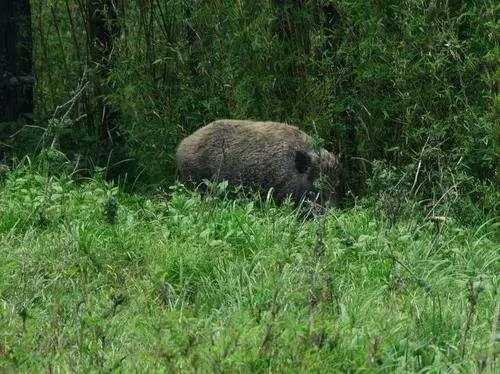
(375, 80)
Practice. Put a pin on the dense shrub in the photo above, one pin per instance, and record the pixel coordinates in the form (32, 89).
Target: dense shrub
(378, 80)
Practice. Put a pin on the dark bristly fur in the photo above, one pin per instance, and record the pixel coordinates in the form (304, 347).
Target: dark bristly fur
(258, 155)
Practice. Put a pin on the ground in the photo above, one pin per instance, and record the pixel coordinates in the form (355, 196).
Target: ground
(92, 278)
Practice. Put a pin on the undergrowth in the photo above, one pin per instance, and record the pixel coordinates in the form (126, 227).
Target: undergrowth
(383, 80)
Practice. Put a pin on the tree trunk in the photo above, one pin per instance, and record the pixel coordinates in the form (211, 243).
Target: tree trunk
(16, 76)
(103, 28)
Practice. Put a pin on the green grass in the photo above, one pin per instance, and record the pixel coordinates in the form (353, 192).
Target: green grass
(181, 282)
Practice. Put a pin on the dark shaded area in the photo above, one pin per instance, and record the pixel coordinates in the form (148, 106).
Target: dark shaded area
(16, 77)
(103, 28)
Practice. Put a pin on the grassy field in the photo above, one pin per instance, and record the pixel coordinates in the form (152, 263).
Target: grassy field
(92, 279)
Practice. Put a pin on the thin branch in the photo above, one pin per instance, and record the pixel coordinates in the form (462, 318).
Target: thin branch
(82, 85)
(439, 200)
(419, 165)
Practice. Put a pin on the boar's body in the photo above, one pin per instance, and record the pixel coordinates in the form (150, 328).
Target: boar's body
(256, 155)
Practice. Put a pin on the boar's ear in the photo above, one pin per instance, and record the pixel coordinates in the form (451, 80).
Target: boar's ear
(302, 161)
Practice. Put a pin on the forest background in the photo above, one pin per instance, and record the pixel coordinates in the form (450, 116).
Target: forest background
(406, 92)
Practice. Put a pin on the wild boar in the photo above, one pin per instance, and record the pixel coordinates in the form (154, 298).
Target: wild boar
(260, 155)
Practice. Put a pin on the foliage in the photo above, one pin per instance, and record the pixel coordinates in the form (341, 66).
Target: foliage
(403, 279)
(194, 283)
(377, 80)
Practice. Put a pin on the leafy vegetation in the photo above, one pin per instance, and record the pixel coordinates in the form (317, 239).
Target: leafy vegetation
(108, 265)
(383, 80)
(93, 278)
